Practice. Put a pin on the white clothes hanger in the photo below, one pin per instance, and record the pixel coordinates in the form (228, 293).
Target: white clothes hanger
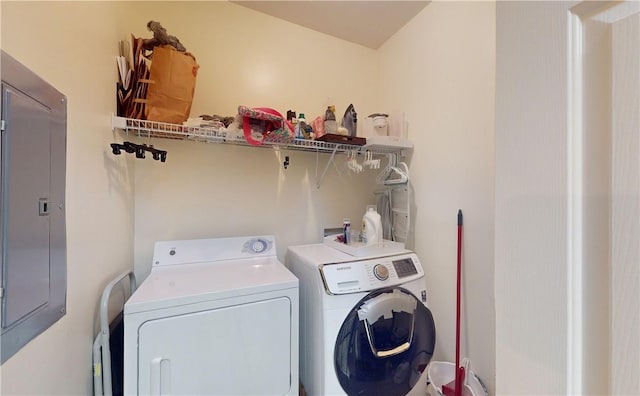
(352, 162)
(400, 177)
(395, 172)
(382, 176)
(370, 162)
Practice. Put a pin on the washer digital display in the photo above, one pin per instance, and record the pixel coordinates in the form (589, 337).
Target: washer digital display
(404, 267)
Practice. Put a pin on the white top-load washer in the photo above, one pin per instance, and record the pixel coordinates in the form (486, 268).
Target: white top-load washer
(214, 317)
(365, 328)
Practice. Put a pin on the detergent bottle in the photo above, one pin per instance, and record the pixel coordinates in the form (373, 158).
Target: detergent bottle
(371, 226)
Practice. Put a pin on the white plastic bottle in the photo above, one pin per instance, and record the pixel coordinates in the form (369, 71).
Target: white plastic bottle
(371, 226)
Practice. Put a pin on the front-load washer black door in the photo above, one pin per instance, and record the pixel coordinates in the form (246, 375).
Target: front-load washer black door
(384, 344)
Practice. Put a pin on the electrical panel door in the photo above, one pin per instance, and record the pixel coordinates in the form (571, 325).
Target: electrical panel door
(26, 206)
(32, 187)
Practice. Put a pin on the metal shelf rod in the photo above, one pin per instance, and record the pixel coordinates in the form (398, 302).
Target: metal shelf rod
(319, 180)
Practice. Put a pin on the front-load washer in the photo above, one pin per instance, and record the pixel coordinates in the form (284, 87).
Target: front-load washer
(214, 317)
(365, 328)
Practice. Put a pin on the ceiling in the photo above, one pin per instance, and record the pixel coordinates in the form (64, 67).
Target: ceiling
(369, 23)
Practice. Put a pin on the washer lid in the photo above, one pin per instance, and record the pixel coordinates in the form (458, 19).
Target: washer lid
(170, 286)
(319, 253)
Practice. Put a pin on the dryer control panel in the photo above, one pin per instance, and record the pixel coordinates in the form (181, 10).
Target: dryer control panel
(212, 250)
(366, 275)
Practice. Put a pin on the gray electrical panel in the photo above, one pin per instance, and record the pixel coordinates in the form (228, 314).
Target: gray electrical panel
(33, 280)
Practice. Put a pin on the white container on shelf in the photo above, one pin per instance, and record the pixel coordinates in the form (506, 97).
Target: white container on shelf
(371, 226)
(376, 125)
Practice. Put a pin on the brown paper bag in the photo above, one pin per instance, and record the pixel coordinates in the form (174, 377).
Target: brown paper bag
(171, 86)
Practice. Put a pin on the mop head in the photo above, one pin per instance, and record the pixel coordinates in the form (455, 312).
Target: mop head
(442, 376)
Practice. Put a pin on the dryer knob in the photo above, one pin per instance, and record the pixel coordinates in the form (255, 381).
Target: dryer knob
(381, 272)
(258, 246)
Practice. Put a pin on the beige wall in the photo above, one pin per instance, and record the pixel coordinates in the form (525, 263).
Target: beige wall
(249, 58)
(440, 69)
(72, 46)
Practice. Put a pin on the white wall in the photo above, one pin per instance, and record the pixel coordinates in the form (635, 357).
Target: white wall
(0, 72)
(567, 199)
(596, 168)
(440, 70)
(72, 46)
(246, 57)
(531, 198)
(625, 225)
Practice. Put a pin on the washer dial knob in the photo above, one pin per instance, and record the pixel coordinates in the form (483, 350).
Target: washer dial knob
(381, 272)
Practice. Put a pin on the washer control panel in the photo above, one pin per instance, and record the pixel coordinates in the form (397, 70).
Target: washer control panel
(367, 275)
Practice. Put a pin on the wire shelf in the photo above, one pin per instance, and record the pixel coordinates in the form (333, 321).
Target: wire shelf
(155, 129)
